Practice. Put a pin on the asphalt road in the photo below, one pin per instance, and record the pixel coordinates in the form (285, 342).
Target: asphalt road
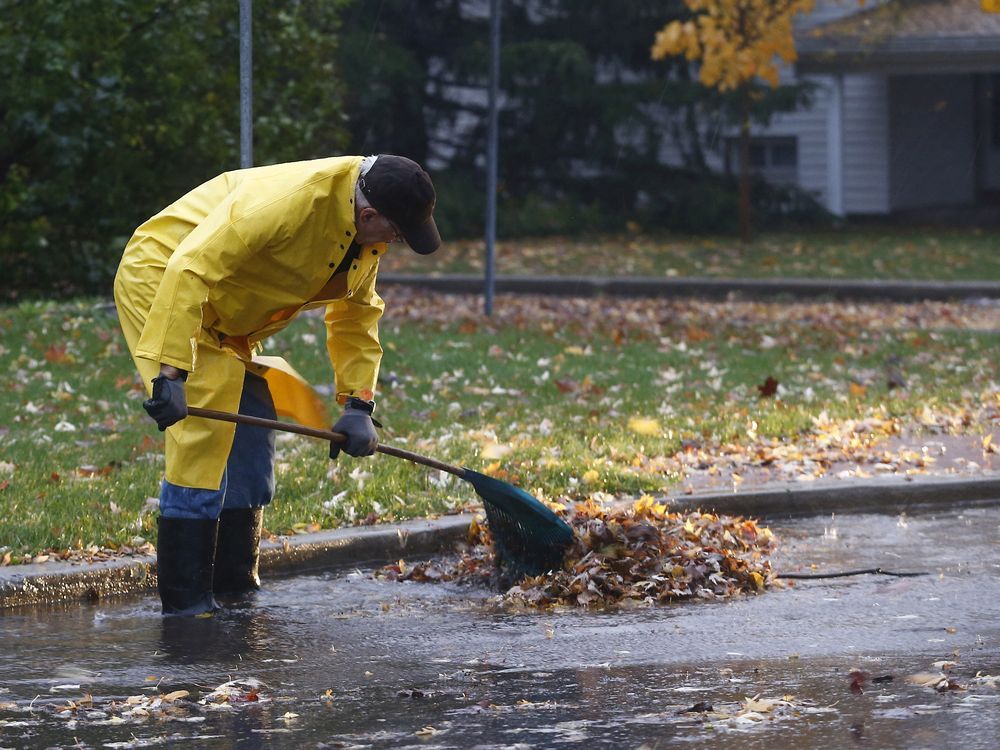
(348, 661)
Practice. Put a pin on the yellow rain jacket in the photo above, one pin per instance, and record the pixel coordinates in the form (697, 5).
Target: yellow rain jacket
(203, 282)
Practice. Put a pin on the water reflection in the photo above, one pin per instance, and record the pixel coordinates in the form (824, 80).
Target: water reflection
(230, 636)
(347, 659)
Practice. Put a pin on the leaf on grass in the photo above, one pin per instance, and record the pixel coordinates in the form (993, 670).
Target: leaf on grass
(768, 388)
(56, 354)
(566, 385)
(644, 426)
(695, 335)
(495, 450)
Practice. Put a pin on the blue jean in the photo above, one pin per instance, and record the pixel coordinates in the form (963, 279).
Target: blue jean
(248, 481)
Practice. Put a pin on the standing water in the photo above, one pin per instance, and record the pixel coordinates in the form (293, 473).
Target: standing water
(344, 660)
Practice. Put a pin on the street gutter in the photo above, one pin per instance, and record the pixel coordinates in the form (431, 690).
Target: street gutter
(46, 583)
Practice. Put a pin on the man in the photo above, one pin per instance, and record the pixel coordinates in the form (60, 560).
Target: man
(201, 284)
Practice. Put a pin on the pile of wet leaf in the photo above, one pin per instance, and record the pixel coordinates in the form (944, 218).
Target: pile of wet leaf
(622, 557)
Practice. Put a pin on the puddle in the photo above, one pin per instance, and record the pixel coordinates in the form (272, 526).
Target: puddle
(346, 661)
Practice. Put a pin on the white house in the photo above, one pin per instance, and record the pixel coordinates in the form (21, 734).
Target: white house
(906, 114)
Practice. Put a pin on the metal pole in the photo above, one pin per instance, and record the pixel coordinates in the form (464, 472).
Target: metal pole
(491, 152)
(246, 83)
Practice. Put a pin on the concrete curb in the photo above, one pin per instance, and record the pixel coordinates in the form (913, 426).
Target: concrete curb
(876, 495)
(22, 585)
(706, 288)
(46, 583)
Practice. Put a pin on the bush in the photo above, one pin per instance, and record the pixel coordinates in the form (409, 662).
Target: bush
(662, 199)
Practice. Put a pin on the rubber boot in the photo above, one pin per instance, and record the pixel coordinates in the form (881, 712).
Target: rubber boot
(185, 552)
(238, 552)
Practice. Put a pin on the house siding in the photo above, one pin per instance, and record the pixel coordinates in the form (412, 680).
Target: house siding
(864, 134)
(866, 144)
(808, 127)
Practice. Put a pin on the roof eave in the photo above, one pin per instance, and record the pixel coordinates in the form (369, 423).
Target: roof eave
(964, 54)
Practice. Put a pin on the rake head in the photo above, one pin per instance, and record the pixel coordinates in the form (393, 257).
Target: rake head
(529, 538)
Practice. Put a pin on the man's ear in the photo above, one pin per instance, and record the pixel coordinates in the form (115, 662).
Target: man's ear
(367, 214)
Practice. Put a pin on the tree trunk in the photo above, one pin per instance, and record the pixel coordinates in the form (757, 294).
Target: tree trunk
(746, 230)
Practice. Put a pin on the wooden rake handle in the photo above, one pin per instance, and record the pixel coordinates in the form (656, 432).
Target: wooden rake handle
(333, 437)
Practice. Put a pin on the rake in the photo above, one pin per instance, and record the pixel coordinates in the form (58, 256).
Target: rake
(529, 539)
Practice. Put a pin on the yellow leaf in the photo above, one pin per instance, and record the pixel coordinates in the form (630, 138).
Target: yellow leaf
(591, 476)
(644, 426)
(495, 450)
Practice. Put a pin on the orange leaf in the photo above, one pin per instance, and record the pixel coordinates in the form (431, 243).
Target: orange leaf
(56, 354)
(695, 334)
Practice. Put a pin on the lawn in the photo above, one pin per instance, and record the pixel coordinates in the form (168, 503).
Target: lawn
(569, 399)
(934, 255)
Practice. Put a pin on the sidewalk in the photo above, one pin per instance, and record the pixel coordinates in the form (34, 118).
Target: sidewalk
(368, 545)
(706, 288)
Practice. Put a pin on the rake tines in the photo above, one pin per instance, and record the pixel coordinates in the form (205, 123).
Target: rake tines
(529, 539)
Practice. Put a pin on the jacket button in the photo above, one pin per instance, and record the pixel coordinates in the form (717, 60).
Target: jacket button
(374, 252)
(354, 267)
(333, 265)
(348, 232)
(341, 245)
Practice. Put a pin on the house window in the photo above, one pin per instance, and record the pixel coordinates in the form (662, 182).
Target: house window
(774, 159)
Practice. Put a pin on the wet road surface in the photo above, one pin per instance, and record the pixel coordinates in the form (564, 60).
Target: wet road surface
(342, 660)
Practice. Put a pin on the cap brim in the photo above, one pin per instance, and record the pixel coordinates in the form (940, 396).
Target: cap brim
(422, 238)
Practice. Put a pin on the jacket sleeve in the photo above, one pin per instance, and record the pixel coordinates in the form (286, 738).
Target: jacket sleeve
(229, 236)
(352, 340)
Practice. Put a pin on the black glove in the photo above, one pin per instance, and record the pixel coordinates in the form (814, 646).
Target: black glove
(168, 404)
(356, 423)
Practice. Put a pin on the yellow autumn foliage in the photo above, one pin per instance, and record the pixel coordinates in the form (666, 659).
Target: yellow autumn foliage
(735, 40)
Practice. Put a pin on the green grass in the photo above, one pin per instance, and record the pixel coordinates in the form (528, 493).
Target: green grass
(547, 395)
(936, 255)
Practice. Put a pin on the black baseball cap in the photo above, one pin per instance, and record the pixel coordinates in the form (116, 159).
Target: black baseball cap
(401, 190)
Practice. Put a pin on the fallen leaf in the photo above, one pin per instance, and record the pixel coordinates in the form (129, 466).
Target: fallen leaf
(768, 388)
(859, 678)
(644, 426)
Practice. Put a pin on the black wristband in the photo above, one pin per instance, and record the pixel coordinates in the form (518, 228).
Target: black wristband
(359, 403)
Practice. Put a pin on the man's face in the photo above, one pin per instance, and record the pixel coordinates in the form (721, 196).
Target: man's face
(374, 228)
